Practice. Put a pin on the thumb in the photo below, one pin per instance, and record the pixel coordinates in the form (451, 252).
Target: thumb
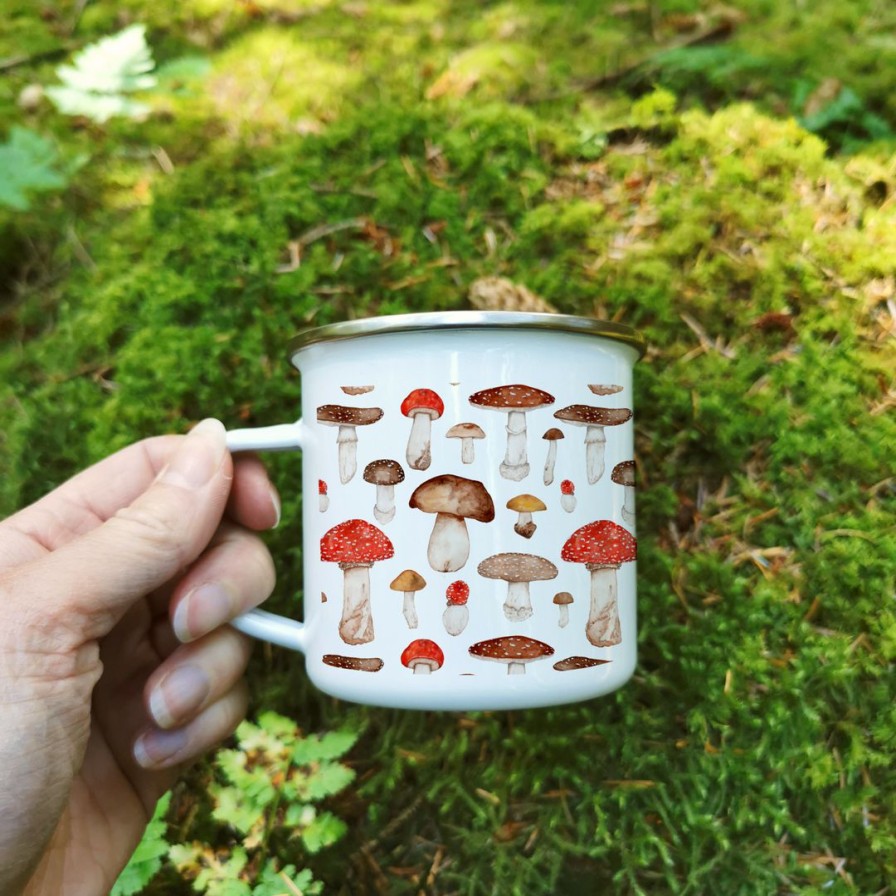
(93, 580)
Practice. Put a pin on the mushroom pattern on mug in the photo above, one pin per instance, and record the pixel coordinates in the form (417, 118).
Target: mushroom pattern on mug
(624, 474)
(594, 420)
(467, 433)
(518, 570)
(385, 474)
(355, 663)
(355, 545)
(552, 437)
(422, 406)
(575, 663)
(453, 500)
(347, 419)
(323, 500)
(423, 657)
(456, 615)
(408, 583)
(513, 650)
(525, 506)
(515, 401)
(568, 495)
(563, 599)
(603, 546)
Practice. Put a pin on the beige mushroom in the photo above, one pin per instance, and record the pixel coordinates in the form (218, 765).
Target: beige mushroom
(466, 432)
(518, 570)
(594, 419)
(514, 650)
(563, 599)
(551, 436)
(409, 583)
(525, 506)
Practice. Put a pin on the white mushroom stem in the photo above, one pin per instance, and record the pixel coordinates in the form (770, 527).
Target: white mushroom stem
(564, 615)
(410, 609)
(628, 505)
(323, 503)
(418, 453)
(568, 503)
(423, 666)
(595, 440)
(517, 607)
(384, 509)
(549, 463)
(602, 628)
(466, 451)
(347, 439)
(449, 544)
(516, 464)
(356, 626)
(455, 618)
(516, 668)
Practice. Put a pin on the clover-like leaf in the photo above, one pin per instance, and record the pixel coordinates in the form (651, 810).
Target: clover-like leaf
(29, 164)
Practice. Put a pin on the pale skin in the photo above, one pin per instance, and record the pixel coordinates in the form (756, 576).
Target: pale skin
(117, 667)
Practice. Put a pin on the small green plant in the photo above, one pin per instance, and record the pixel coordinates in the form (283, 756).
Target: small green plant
(29, 163)
(147, 860)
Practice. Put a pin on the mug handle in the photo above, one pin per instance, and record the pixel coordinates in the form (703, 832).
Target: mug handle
(259, 623)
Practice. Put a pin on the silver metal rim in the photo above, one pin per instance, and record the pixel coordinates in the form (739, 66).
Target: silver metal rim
(446, 320)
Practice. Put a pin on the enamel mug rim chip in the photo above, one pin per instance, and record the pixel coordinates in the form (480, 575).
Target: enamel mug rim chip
(452, 320)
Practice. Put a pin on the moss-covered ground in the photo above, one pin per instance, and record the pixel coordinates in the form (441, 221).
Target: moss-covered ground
(650, 162)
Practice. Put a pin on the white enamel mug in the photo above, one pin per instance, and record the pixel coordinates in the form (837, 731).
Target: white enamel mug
(469, 521)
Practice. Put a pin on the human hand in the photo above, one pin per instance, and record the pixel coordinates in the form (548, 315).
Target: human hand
(101, 704)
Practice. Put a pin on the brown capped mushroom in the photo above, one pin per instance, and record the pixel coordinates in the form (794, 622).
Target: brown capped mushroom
(514, 650)
(385, 474)
(552, 436)
(624, 474)
(515, 401)
(525, 506)
(347, 439)
(602, 546)
(604, 388)
(594, 419)
(356, 663)
(453, 499)
(466, 432)
(563, 599)
(574, 663)
(518, 570)
(409, 583)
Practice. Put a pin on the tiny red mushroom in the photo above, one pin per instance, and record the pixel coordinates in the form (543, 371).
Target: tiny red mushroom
(422, 406)
(355, 545)
(568, 495)
(322, 498)
(423, 656)
(602, 546)
(456, 615)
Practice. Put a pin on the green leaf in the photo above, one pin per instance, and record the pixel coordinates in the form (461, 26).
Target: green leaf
(325, 830)
(287, 882)
(29, 163)
(332, 745)
(147, 858)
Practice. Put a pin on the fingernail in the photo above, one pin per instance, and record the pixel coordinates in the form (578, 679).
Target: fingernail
(275, 500)
(198, 457)
(155, 748)
(178, 694)
(204, 609)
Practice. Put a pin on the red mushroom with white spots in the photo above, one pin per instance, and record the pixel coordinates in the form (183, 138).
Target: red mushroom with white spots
(347, 419)
(568, 495)
(453, 500)
(456, 615)
(323, 500)
(423, 657)
(355, 545)
(603, 546)
(515, 401)
(594, 420)
(422, 406)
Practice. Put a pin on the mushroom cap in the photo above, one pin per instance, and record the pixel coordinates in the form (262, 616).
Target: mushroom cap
(356, 390)
(602, 542)
(321, 487)
(526, 504)
(517, 568)
(604, 388)
(357, 663)
(512, 398)
(563, 597)
(384, 472)
(567, 487)
(455, 495)
(465, 431)
(423, 400)
(422, 649)
(458, 593)
(511, 649)
(355, 541)
(340, 415)
(588, 415)
(571, 663)
(408, 581)
(553, 434)
(624, 473)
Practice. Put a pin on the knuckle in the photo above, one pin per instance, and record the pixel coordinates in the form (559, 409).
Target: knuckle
(155, 530)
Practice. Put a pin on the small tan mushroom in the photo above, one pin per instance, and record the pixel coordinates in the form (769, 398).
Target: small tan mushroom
(525, 506)
(604, 388)
(514, 650)
(624, 474)
(409, 583)
(551, 436)
(573, 663)
(466, 432)
(563, 599)
(356, 390)
(518, 570)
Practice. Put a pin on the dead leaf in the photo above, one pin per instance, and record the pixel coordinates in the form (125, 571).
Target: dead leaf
(501, 294)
